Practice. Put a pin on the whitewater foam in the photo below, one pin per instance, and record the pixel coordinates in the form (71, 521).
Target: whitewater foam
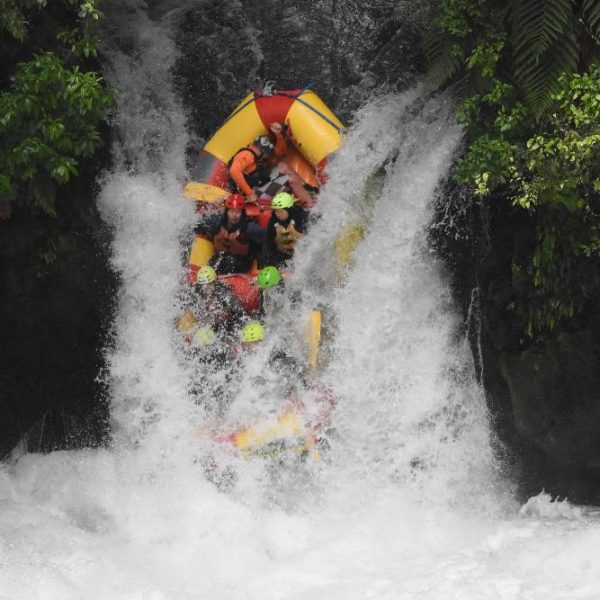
(406, 504)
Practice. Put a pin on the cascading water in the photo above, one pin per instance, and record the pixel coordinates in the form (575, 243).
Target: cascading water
(407, 502)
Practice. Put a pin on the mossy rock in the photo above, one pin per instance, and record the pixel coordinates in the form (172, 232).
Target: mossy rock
(555, 397)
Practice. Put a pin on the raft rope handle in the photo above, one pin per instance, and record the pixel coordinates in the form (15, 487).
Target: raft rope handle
(340, 130)
(259, 94)
(263, 94)
(306, 87)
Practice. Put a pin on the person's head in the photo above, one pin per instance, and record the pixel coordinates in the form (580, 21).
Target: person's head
(280, 204)
(206, 276)
(268, 277)
(234, 216)
(234, 208)
(264, 145)
(204, 336)
(253, 332)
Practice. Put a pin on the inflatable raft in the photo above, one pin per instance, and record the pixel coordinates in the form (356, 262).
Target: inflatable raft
(315, 133)
(293, 431)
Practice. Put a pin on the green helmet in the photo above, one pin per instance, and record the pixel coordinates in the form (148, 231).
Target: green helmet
(253, 332)
(206, 275)
(205, 336)
(282, 200)
(268, 277)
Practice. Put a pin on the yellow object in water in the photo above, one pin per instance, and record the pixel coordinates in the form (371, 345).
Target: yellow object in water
(346, 243)
(317, 137)
(313, 338)
(186, 322)
(287, 426)
(316, 130)
(240, 129)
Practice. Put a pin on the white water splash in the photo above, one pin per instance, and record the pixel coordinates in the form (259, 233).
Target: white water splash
(407, 504)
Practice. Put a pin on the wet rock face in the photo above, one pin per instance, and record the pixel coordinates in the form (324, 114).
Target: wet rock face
(544, 399)
(53, 324)
(555, 395)
(350, 48)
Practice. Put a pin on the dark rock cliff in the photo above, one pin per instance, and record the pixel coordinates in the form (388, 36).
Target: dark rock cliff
(544, 398)
(349, 48)
(54, 320)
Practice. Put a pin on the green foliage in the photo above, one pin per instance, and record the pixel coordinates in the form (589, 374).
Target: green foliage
(48, 120)
(555, 173)
(591, 14)
(528, 43)
(51, 109)
(533, 124)
(13, 16)
(545, 45)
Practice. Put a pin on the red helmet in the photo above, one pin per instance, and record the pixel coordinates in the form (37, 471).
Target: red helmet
(235, 201)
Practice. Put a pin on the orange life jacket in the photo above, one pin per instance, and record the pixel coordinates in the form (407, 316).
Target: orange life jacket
(243, 162)
(232, 243)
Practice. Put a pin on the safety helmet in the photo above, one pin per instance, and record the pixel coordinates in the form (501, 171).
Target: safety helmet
(265, 145)
(268, 277)
(206, 275)
(235, 201)
(205, 336)
(282, 200)
(253, 332)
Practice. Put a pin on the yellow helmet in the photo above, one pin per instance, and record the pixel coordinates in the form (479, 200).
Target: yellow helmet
(205, 336)
(206, 275)
(253, 332)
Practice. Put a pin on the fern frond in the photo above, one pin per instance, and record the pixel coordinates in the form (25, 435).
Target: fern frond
(442, 63)
(540, 81)
(545, 44)
(536, 24)
(591, 15)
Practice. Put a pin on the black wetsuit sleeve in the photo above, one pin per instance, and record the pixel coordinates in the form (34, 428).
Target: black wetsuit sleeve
(269, 247)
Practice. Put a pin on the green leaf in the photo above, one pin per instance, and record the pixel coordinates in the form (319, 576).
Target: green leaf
(545, 44)
(591, 13)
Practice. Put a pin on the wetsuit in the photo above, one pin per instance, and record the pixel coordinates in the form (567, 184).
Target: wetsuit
(250, 168)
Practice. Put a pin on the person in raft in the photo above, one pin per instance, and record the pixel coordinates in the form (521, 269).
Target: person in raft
(251, 167)
(271, 284)
(286, 226)
(236, 238)
(217, 306)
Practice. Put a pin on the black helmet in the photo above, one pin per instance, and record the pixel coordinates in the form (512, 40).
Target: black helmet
(265, 145)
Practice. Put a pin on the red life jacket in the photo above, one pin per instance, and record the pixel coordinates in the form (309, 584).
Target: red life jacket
(232, 243)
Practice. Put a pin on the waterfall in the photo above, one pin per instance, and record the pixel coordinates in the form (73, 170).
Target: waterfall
(405, 503)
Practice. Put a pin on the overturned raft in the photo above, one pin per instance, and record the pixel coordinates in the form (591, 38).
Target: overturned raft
(315, 130)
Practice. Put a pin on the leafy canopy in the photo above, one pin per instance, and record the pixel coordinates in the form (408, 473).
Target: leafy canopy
(528, 43)
(533, 126)
(52, 107)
